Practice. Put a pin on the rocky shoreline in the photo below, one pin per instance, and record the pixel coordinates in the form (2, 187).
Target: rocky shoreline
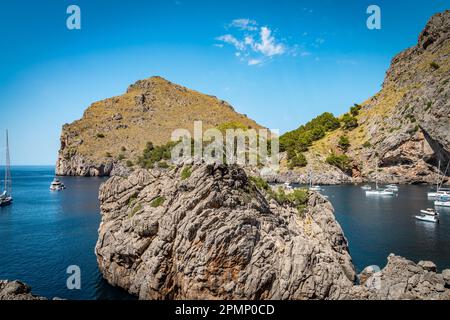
(16, 290)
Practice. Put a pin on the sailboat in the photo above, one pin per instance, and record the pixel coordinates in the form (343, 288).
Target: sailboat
(378, 191)
(6, 196)
(439, 190)
(311, 186)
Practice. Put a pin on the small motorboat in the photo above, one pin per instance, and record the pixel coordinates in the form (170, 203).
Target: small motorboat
(366, 187)
(442, 201)
(379, 192)
(315, 188)
(57, 185)
(427, 218)
(287, 185)
(441, 192)
(392, 187)
(430, 212)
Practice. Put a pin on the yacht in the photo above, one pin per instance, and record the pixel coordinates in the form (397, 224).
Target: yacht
(442, 201)
(440, 191)
(430, 212)
(6, 197)
(427, 218)
(378, 191)
(57, 185)
(392, 187)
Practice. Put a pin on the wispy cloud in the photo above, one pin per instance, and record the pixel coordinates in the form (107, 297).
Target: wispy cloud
(254, 44)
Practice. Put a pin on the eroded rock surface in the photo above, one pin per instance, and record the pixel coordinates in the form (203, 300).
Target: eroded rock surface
(16, 290)
(214, 235)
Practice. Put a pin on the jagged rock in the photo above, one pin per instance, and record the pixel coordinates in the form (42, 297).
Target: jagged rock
(427, 265)
(16, 290)
(214, 235)
(402, 279)
(446, 276)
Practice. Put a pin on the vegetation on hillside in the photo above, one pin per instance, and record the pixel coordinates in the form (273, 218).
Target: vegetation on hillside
(342, 162)
(295, 142)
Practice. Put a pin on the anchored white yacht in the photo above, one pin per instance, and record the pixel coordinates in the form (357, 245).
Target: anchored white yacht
(57, 185)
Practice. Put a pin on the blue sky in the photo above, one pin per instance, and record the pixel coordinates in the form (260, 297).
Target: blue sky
(279, 62)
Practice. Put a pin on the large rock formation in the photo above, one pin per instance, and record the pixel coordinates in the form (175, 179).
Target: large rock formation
(16, 290)
(116, 130)
(212, 234)
(404, 128)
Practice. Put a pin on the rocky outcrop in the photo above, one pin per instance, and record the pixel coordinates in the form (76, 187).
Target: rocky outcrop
(402, 279)
(16, 290)
(113, 133)
(207, 232)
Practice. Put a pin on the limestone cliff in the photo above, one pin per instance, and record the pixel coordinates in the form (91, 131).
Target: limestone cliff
(116, 130)
(404, 128)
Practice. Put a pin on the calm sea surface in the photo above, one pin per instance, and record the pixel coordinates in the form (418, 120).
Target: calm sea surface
(44, 232)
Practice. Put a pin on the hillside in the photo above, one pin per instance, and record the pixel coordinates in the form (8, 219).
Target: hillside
(404, 128)
(115, 131)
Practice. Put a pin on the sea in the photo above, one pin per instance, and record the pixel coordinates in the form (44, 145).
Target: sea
(43, 234)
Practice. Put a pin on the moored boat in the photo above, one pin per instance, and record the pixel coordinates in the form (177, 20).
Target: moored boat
(427, 218)
(430, 212)
(6, 197)
(366, 187)
(57, 185)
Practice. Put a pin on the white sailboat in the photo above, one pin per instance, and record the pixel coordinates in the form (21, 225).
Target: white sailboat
(440, 191)
(377, 191)
(311, 186)
(6, 196)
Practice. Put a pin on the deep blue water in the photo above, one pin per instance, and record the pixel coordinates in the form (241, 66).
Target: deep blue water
(44, 232)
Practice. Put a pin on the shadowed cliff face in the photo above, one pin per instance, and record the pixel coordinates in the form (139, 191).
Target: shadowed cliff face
(116, 130)
(404, 128)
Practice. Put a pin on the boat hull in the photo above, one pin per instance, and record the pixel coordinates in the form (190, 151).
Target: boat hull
(442, 203)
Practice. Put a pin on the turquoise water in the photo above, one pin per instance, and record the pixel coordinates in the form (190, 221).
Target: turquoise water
(44, 232)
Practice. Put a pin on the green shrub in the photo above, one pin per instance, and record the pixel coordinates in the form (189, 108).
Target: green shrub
(297, 198)
(344, 143)
(349, 122)
(367, 144)
(108, 155)
(186, 173)
(129, 163)
(123, 149)
(121, 157)
(100, 135)
(259, 182)
(136, 210)
(340, 161)
(299, 160)
(434, 65)
(157, 202)
(152, 155)
(163, 165)
(355, 109)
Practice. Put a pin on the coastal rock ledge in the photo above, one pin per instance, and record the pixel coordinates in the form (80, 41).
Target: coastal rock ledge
(211, 232)
(16, 290)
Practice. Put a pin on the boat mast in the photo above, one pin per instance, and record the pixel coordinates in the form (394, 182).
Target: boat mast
(8, 186)
(439, 173)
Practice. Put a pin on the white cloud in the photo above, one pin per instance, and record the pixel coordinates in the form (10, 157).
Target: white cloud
(268, 45)
(228, 38)
(254, 44)
(244, 24)
(254, 62)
